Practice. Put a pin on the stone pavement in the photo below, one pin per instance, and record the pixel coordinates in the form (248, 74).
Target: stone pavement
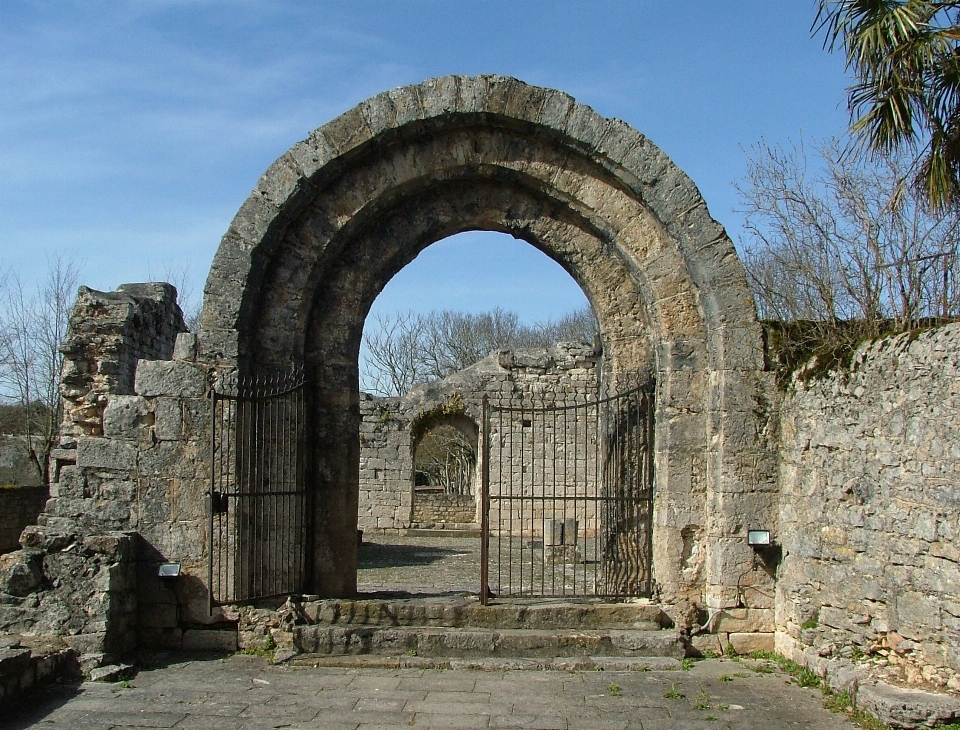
(422, 565)
(246, 693)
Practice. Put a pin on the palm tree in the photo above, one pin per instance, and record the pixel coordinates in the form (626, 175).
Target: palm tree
(905, 57)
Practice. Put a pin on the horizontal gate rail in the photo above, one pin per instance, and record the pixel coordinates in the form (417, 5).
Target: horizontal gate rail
(567, 496)
(258, 502)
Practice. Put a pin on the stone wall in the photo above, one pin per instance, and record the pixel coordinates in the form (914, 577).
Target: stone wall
(82, 588)
(19, 507)
(128, 484)
(389, 427)
(435, 509)
(109, 332)
(870, 511)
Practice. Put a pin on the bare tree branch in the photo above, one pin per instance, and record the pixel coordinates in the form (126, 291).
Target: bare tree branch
(408, 349)
(33, 325)
(850, 242)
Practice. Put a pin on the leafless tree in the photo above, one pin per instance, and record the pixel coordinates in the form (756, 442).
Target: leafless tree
(839, 236)
(33, 324)
(446, 458)
(580, 325)
(409, 348)
(179, 276)
(394, 363)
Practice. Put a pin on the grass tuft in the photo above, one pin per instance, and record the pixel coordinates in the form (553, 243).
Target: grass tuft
(673, 693)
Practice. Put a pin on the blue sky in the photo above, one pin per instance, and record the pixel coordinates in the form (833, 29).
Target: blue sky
(131, 132)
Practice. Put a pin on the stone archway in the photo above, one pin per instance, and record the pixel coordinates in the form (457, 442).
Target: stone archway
(338, 215)
(454, 434)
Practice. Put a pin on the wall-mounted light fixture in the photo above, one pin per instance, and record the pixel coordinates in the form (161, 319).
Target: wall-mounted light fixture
(758, 538)
(168, 571)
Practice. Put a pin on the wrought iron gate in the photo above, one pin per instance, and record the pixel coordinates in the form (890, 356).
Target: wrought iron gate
(258, 505)
(567, 497)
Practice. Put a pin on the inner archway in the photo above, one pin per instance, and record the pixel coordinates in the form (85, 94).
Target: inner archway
(342, 212)
(463, 299)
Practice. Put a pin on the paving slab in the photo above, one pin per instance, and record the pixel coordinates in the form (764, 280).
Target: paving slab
(248, 693)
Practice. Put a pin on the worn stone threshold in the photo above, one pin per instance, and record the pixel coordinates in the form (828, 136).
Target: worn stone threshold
(477, 643)
(440, 532)
(490, 664)
(467, 612)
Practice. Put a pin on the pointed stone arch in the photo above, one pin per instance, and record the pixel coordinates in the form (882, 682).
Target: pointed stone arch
(333, 219)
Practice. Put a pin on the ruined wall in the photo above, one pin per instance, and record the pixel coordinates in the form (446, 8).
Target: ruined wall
(127, 489)
(563, 374)
(870, 510)
(109, 332)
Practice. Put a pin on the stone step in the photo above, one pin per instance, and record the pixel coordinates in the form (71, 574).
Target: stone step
(496, 664)
(465, 530)
(469, 613)
(485, 643)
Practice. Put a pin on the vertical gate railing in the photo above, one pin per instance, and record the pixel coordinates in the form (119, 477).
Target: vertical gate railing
(567, 497)
(258, 503)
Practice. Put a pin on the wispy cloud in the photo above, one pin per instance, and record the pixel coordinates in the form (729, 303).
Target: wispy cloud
(132, 130)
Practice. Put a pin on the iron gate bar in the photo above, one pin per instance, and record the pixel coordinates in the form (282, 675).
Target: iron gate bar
(605, 450)
(259, 504)
(485, 501)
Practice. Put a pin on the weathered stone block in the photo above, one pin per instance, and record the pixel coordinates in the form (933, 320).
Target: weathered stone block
(125, 416)
(86, 643)
(46, 539)
(746, 643)
(168, 419)
(106, 453)
(185, 347)
(209, 640)
(21, 572)
(166, 459)
(14, 660)
(113, 673)
(118, 546)
(902, 707)
(746, 620)
(169, 377)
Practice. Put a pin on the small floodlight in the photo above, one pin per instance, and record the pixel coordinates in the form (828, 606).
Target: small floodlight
(169, 571)
(758, 538)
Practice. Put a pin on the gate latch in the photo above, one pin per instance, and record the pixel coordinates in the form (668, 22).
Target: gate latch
(218, 503)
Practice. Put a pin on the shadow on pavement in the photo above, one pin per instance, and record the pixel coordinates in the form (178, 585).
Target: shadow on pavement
(32, 709)
(374, 555)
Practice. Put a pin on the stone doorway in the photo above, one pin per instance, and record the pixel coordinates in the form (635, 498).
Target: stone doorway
(339, 214)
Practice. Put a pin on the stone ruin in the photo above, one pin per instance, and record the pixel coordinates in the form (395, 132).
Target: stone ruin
(855, 476)
(391, 427)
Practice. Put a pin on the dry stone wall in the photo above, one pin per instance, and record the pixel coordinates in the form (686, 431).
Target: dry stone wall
(565, 374)
(870, 511)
